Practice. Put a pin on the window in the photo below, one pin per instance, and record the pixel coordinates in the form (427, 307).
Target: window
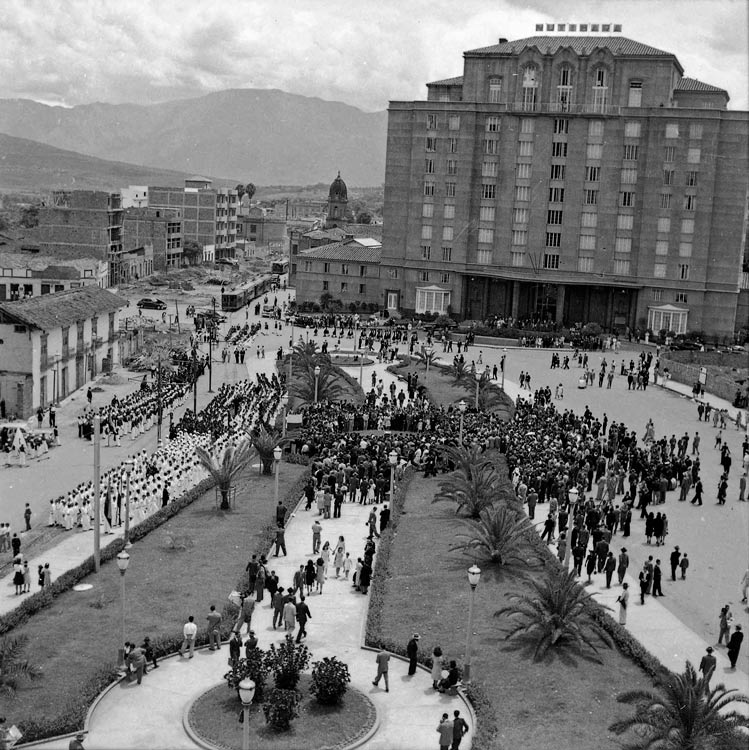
(664, 225)
(487, 213)
(426, 252)
(453, 122)
(431, 144)
(362, 270)
(656, 295)
(484, 257)
(344, 269)
(452, 145)
(447, 254)
(687, 226)
(426, 231)
(344, 286)
(495, 90)
(621, 267)
(493, 124)
(325, 286)
(595, 129)
(450, 189)
(427, 210)
(362, 288)
(627, 199)
(559, 148)
(587, 242)
(623, 245)
(525, 148)
(635, 94)
(486, 235)
(685, 249)
(585, 264)
(600, 90)
(590, 197)
(447, 234)
(392, 273)
(491, 146)
(681, 297)
(551, 260)
(625, 221)
(668, 176)
(444, 277)
(594, 150)
(564, 89)
(326, 267)
(632, 129)
(556, 195)
(561, 126)
(527, 125)
(523, 171)
(630, 152)
(684, 271)
(307, 265)
(669, 154)
(488, 190)
(520, 216)
(592, 174)
(431, 122)
(530, 89)
(693, 156)
(589, 219)
(489, 169)
(553, 239)
(517, 258)
(665, 200)
(691, 179)
(452, 166)
(428, 188)
(554, 217)
(629, 176)
(659, 270)
(522, 193)
(449, 211)
(423, 275)
(519, 237)
(672, 130)
(695, 131)
(661, 247)
(432, 301)
(690, 202)
(429, 166)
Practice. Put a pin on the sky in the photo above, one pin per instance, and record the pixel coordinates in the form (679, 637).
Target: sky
(361, 52)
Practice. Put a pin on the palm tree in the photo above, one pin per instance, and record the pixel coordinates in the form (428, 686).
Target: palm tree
(264, 440)
(427, 357)
(458, 370)
(684, 713)
(474, 493)
(13, 668)
(554, 615)
(329, 387)
(499, 540)
(489, 395)
(465, 460)
(225, 466)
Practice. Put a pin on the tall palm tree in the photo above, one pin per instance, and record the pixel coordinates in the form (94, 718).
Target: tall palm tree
(684, 713)
(473, 493)
(554, 615)
(329, 385)
(465, 460)
(264, 440)
(13, 668)
(458, 370)
(499, 540)
(226, 465)
(489, 395)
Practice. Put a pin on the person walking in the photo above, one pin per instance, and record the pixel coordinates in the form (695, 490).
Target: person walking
(214, 629)
(280, 540)
(734, 646)
(150, 654)
(246, 608)
(643, 580)
(622, 565)
(744, 586)
(316, 532)
(189, 632)
(445, 731)
(460, 728)
(27, 517)
(623, 601)
(707, 665)
(289, 615)
(436, 671)
(724, 623)
(412, 650)
(684, 564)
(674, 560)
(657, 575)
(235, 649)
(609, 568)
(302, 615)
(383, 664)
(136, 662)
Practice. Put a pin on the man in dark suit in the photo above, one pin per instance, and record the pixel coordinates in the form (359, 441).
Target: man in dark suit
(734, 646)
(412, 649)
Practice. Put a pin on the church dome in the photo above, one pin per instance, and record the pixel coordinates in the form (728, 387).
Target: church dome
(338, 190)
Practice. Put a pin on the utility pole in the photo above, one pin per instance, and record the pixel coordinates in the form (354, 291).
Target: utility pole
(97, 493)
(176, 307)
(158, 398)
(214, 327)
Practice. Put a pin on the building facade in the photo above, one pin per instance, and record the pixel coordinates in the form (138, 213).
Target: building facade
(568, 179)
(161, 228)
(25, 275)
(259, 232)
(54, 344)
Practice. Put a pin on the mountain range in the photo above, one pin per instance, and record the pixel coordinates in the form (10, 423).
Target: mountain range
(242, 135)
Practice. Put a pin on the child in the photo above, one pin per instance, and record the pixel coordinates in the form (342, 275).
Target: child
(347, 565)
(684, 564)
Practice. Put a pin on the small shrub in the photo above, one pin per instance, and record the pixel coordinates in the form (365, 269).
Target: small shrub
(330, 679)
(256, 668)
(287, 662)
(281, 708)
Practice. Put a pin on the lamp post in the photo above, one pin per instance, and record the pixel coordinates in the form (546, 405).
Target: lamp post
(573, 496)
(123, 560)
(97, 492)
(477, 378)
(317, 378)
(502, 365)
(474, 576)
(246, 694)
(285, 405)
(128, 468)
(462, 406)
(277, 453)
(428, 351)
(393, 456)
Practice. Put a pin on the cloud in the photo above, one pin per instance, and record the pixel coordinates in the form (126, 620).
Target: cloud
(364, 53)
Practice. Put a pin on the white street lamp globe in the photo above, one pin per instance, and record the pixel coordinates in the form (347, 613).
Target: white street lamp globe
(277, 453)
(123, 560)
(246, 691)
(474, 575)
(393, 457)
(462, 406)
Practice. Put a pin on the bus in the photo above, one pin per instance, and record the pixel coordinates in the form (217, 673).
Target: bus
(237, 298)
(279, 267)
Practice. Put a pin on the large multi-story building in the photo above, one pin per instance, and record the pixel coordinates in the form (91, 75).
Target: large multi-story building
(83, 224)
(568, 178)
(160, 228)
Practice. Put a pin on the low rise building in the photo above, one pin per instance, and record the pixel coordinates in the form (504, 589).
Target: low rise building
(25, 275)
(259, 232)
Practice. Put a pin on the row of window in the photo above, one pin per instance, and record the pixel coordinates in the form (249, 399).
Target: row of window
(344, 287)
(346, 268)
(657, 296)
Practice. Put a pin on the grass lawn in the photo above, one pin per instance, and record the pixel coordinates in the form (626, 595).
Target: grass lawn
(79, 633)
(559, 703)
(214, 718)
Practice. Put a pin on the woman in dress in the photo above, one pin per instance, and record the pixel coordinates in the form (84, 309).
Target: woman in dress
(623, 600)
(338, 560)
(325, 555)
(309, 576)
(18, 575)
(320, 575)
(436, 667)
(649, 523)
(26, 578)
(40, 579)
(260, 584)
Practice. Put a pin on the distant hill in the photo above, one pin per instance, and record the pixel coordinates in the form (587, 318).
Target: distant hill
(248, 135)
(30, 165)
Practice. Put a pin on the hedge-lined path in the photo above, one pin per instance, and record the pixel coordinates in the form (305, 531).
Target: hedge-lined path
(150, 715)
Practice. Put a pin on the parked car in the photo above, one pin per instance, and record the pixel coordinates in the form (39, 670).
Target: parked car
(227, 262)
(148, 303)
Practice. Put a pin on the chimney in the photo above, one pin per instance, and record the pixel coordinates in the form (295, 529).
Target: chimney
(502, 40)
